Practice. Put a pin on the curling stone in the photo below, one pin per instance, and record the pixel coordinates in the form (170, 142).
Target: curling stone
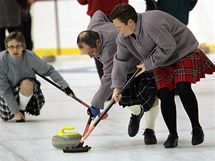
(65, 139)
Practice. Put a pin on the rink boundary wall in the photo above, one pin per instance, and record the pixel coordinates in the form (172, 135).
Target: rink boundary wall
(76, 51)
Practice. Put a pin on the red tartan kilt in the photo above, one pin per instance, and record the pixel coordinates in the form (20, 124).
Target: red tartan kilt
(188, 69)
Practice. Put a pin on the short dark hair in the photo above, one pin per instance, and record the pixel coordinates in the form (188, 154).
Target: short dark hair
(123, 12)
(88, 37)
(15, 35)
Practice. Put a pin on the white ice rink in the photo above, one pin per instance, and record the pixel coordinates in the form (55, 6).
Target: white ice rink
(31, 141)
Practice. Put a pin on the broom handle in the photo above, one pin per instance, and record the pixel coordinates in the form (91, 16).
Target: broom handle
(84, 137)
(57, 86)
(87, 126)
(112, 101)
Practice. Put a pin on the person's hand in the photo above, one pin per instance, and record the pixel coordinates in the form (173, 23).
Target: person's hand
(68, 91)
(19, 117)
(93, 111)
(116, 96)
(142, 67)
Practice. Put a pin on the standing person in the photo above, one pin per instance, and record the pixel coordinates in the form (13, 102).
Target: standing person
(178, 8)
(169, 49)
(26, 21)
(10, 19)
(106, 7)
(99, 42)
(19, 89)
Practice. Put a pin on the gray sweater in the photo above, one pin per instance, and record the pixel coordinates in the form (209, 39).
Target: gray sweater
(101, 24)
(158, 41)
(107, 33)
(12, 71)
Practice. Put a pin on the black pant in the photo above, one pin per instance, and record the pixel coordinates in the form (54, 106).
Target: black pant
(3, 35)
(168, 107)
(99, 67)
(25, 28)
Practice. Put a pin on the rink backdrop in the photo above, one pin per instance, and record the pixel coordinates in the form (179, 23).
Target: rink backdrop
(56, 24)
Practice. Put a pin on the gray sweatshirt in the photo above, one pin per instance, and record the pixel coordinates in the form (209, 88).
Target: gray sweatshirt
(158, 41)
(12, 71)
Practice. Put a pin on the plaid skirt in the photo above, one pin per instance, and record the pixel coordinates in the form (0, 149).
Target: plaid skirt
(33, 107)
(142, 91)
(188, 69)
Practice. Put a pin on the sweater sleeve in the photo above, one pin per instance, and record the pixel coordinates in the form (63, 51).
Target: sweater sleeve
(45, 69)
(121, 62)
(106, 57)
(104, 91)
(7, 93)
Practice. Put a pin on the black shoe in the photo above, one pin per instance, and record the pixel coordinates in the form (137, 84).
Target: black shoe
(198, 135)
(149, 137)
(171, 142)
(20, 121)
(134, 123)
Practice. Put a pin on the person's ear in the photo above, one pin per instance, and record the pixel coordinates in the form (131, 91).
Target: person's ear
(98, 42)
(130, 22)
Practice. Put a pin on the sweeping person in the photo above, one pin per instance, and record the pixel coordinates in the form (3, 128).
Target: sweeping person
(178, 8)
(20, 91)
(106, 7)
(99, 42)
(167, 47)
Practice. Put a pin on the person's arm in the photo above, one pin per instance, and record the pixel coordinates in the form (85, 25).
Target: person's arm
(104, 91)
(122, 60)
(45, 69)
(83, 2)
(6, 91)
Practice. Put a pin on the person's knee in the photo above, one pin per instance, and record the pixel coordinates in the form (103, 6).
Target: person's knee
(26, 87)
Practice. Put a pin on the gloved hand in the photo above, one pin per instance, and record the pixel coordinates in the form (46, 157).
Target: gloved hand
(68, 91)
(93, 111)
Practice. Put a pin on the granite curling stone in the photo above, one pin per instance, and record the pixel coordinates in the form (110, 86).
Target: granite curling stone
(66, 139)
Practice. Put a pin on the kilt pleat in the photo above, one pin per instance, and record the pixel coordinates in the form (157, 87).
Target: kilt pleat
(142, 91)
(191, 69)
